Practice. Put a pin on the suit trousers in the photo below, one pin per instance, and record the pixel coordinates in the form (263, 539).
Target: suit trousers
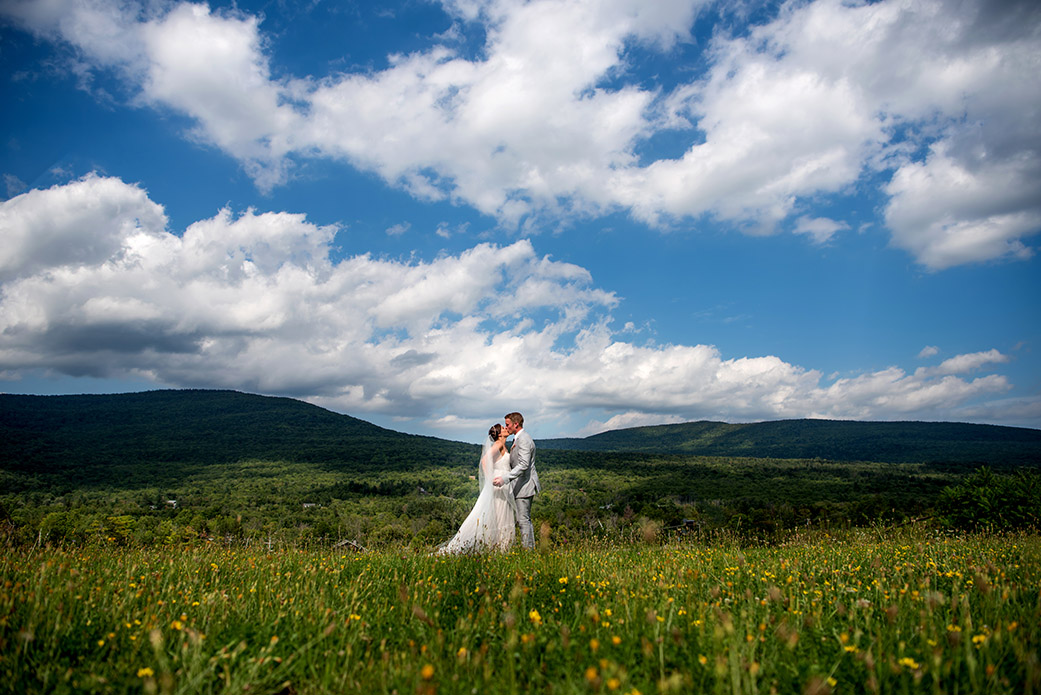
(524, 520)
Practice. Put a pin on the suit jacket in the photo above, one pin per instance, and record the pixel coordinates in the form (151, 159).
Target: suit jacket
(523, 475)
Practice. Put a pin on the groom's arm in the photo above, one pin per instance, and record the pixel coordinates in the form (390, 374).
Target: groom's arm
(521, 455)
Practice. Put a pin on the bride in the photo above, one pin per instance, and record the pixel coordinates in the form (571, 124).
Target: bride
(491, 523)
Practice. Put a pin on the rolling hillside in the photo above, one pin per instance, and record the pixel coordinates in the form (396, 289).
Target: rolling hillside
(78, 435)
(833, 440)
(104, 469)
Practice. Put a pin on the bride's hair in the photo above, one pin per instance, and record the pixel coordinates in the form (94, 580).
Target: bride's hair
(494, 431)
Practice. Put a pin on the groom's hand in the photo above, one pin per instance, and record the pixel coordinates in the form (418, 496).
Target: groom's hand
(497, 481)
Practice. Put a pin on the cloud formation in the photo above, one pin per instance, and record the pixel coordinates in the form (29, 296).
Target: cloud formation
(939, 98)
(95, 284)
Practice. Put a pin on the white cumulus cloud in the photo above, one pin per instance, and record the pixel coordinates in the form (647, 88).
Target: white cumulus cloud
(940, 97)
(97, 285)
(963, 364)
(626, 420)
(820, 229)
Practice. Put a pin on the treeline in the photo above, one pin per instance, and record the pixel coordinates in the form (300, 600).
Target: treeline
(306, 504)
(950, 443)
(103, 439)
(222, 466)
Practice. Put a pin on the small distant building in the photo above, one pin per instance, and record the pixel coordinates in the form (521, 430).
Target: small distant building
(348, 544)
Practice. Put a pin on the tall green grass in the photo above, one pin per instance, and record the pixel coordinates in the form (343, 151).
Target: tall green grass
(914, 613)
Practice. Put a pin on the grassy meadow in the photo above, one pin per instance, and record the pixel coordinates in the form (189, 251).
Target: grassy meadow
(911, 610)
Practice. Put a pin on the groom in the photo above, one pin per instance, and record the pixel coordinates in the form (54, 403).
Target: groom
(522, 474)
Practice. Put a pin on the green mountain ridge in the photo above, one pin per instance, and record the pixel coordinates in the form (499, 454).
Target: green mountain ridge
(833, 440)
(72, 435)
(161, 429)
(103, 469)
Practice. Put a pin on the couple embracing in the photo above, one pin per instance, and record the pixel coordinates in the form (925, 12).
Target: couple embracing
(508, 483)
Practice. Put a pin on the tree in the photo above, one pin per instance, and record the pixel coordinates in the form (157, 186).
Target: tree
(988, 501)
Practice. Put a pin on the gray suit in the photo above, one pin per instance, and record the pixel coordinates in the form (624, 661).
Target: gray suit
(525, 480)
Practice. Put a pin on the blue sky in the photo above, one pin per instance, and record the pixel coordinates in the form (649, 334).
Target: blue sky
(602, 214)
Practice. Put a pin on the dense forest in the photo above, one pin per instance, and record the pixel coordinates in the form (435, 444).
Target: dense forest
(221, 466)
(102, 439)
(834, 440)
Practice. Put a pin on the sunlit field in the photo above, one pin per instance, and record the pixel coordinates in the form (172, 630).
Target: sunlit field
(913, 612)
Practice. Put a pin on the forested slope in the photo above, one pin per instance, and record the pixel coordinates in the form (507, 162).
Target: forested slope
(833, 440)
(173, 466)
(156, 432)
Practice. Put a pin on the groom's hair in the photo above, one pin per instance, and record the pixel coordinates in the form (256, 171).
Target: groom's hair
(515, 417)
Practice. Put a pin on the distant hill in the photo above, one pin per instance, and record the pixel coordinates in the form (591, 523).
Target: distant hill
(166, 434)
(835, 440)
(72, 434)
(86, 469)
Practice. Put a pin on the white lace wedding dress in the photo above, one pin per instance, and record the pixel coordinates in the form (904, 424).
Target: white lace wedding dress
(491, 524)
